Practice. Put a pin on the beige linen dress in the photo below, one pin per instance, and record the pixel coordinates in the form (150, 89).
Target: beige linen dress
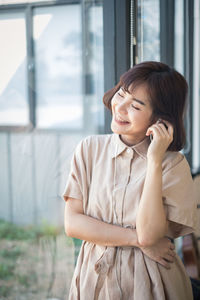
(108, 176)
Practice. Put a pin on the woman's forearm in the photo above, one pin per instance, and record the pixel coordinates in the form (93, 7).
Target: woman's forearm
(95, 231)
(151, 221)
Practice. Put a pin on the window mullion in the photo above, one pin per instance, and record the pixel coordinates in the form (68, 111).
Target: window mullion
(167, 32)
(30, 67)
(188, 69)
(84, 21)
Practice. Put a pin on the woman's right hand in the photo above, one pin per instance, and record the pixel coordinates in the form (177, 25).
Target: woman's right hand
(162, 252)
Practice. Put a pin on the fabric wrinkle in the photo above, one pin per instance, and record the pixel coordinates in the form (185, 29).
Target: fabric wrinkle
(102, 267)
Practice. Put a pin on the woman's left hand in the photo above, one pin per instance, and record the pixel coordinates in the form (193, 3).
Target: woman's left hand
(162, 252)
(162, 138)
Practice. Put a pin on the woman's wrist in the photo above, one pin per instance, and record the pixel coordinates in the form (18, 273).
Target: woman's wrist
(154, 163)
(133, 238)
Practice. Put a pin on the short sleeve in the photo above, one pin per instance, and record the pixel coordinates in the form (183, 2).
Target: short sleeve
(178, 197)
(76, 186)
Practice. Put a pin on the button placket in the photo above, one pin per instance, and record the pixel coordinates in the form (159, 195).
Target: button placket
(122, 199)
(120, 195)
(125, 188)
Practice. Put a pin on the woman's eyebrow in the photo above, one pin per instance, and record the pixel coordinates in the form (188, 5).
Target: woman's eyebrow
(134, 99)
(139, 101)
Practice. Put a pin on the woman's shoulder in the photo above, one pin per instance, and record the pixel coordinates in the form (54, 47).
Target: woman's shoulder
(94, 144)
(174, 159)
(96, 140)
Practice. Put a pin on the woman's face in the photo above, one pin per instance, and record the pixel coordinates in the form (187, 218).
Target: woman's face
(131, 114)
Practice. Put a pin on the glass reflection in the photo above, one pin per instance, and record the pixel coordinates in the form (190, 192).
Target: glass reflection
(148, 30)
(13, 79)
(57, 47)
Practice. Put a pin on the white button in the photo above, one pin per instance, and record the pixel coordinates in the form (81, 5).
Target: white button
(128, 150)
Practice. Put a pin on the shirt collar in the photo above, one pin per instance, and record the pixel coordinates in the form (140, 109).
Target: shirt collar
(118, 146)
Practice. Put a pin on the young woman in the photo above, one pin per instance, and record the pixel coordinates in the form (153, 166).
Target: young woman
(130, 192)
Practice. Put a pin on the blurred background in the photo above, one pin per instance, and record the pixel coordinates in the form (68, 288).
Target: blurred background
(57, 58)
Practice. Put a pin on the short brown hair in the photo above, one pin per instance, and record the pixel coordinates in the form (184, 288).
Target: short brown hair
(167, 91)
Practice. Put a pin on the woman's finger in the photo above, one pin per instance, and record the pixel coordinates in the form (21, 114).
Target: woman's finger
(154, 130)
(170, 127)
(162, 127)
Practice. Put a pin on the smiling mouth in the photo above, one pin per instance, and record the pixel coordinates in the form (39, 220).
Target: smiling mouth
(120, 121)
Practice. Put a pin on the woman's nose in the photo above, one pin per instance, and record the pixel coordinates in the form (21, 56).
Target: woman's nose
(122, 106)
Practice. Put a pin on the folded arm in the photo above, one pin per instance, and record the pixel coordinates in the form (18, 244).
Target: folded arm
(87, 228)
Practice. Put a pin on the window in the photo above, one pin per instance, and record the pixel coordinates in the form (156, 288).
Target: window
(58, 66)
(54, 59)
(148, 25)
(13, 61)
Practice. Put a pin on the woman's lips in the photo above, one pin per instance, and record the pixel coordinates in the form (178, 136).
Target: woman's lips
(120, 121)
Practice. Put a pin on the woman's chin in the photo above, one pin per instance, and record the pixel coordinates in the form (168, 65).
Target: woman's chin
(116, 129)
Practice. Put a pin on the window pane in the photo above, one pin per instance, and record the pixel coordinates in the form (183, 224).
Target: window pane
(57, 37)
(13, 61)
(20, 1)
(93, 69)
(148, 30)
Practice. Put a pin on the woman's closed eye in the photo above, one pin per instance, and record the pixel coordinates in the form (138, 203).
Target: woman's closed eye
(133, 106)
(119, 94)
(137, 108)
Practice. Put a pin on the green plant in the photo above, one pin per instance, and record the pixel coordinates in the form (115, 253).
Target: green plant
(4, 291)
(77, 245)
(19, 246)
(6, 270)
(23, 279)
(11, 253)
(49, 230)
(11, 231)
